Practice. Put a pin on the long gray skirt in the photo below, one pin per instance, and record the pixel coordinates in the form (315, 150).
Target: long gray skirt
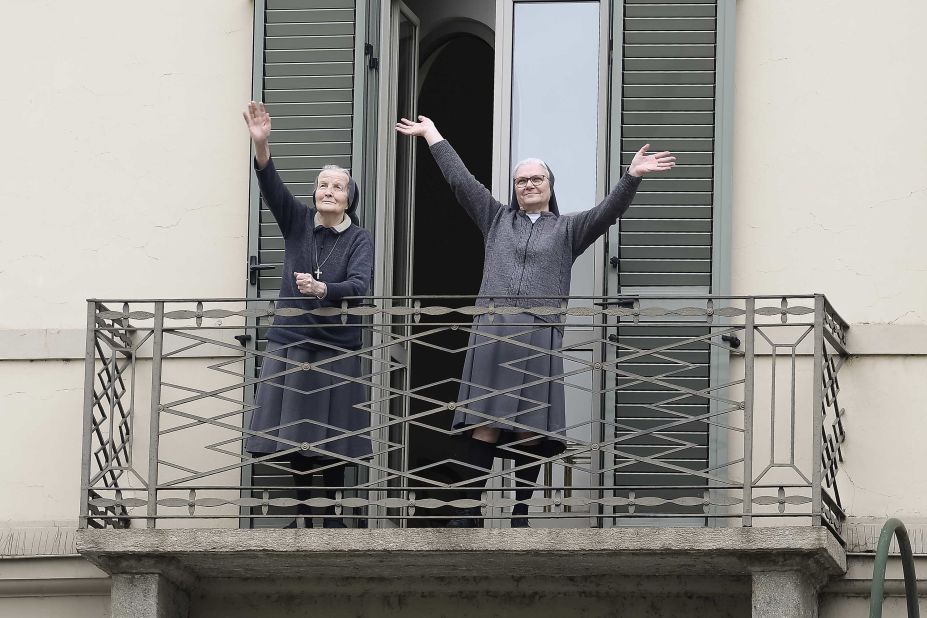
(493, 365)
(310, 406)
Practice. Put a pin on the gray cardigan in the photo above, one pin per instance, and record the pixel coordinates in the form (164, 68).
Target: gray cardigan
(524, 258)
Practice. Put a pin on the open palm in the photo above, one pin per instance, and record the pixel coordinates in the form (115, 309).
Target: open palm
(258, 121)
(644, 163)
(415, 129)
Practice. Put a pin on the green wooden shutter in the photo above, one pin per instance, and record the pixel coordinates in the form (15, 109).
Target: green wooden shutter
(307, 82)
(667, 97)
(308, 88)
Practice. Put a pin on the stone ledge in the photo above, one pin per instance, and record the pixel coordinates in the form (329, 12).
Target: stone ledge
(51, 576)
(395, 553)
(857, 582)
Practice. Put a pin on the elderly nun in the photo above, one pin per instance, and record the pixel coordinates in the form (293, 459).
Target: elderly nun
(306, 397)
(509, 392)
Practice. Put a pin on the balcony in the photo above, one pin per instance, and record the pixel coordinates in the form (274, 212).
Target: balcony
(703, 436)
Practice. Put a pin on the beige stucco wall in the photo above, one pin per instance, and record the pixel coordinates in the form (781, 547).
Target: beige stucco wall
(129, 166)
(830, 195)
(40, 478)
(126, 158)
(53, 587)
(73, 606)
(886, 400)
(830, 172)
(126, 174)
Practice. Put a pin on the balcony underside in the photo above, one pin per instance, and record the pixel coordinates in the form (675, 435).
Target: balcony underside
(384, 555)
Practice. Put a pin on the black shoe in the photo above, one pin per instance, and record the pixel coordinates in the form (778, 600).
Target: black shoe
(519, 522)
(469, 518)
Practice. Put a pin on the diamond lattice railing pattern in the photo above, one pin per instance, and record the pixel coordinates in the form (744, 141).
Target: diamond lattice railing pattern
(685, 410)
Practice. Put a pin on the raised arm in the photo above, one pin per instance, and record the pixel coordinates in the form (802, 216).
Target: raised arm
(590, 224)
(281, 202)
(475, 198)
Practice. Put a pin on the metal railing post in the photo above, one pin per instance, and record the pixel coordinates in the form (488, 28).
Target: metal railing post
(749, 366)
(155, 420)
(87, 428)
(598, 426)
(817, 425)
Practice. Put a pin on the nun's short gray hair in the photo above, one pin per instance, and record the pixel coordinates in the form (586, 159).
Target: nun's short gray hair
(526, 162)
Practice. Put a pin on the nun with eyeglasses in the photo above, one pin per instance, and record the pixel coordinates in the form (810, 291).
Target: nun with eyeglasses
(512, 389)
(308, 412)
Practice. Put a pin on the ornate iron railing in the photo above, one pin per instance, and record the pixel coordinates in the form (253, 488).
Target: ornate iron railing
(695, 411)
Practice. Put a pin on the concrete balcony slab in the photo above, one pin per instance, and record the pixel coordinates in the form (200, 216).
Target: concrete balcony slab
(654, 572)
(223, 553)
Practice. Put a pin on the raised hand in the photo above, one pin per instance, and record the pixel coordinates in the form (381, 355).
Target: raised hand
(423, 128)
(258, 121)
(644, 163)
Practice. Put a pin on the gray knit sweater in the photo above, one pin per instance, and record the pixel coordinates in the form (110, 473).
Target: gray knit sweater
(524, 258)
(347, 271)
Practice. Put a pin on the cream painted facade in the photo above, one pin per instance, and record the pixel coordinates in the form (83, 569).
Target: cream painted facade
(127, 177)
(830, 196)
(130, 157)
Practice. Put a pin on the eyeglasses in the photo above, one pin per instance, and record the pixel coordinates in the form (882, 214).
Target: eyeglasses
(521, 183)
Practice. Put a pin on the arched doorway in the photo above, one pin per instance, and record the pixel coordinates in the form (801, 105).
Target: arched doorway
(457, 93)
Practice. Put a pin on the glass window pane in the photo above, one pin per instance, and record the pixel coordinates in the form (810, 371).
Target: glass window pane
(555, 94)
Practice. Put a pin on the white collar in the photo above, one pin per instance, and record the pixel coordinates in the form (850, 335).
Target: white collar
(341, 227)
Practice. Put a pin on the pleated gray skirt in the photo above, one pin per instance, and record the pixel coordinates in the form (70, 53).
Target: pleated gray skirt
(531, 398)
(310, 406)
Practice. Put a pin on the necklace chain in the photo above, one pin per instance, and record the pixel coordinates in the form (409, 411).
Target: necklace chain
(318, 256)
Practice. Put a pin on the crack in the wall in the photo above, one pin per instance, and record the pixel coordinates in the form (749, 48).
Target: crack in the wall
(896, 199)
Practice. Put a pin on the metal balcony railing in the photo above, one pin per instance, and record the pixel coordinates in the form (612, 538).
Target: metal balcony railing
(698, 410)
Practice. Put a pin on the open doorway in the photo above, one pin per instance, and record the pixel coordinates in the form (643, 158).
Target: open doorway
(439, 62)
(456, 91)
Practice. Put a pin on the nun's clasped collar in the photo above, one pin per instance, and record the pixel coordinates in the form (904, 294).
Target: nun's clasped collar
(341, 227)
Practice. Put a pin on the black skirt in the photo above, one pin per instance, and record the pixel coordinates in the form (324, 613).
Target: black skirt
(510, 366)
(310, 407)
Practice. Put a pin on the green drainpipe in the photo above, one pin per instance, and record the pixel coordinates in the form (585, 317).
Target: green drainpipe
(893, 527)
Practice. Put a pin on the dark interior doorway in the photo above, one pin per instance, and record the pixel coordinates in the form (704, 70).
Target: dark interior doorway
(457, 93)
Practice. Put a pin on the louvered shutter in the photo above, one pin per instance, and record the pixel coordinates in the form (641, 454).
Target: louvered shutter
(308, 89)
(667, 98)
(667, 93)
(308, 86)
